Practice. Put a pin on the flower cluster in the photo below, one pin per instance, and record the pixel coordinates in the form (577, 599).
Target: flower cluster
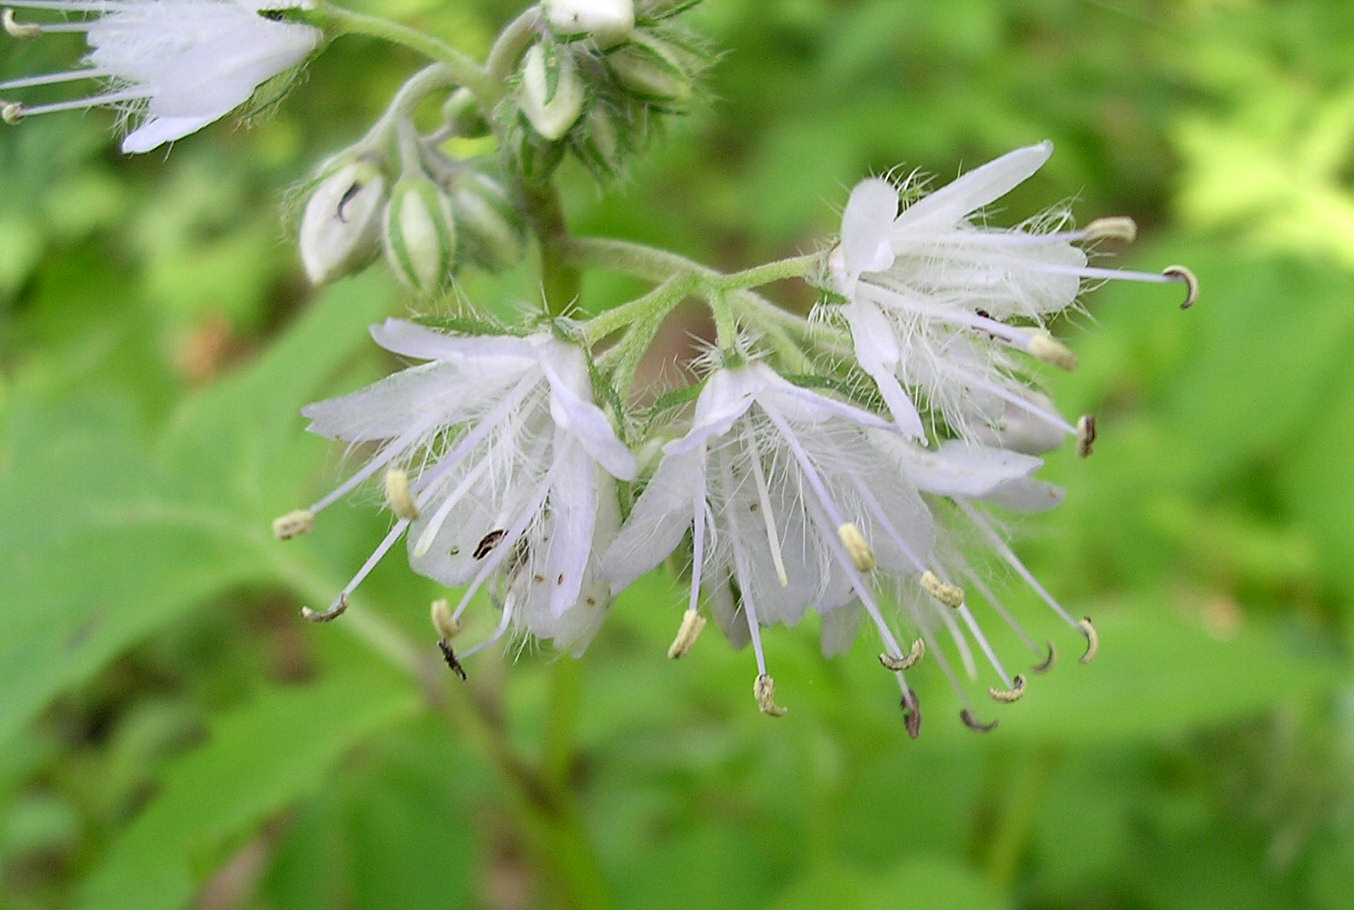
(841, 464)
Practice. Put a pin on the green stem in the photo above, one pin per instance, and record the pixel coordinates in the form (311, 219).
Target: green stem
(1010, 832)
(781, 269)
(346, 22)
(512, 42)
(561, 280)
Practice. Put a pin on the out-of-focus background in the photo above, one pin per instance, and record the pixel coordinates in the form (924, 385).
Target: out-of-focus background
(172, 734)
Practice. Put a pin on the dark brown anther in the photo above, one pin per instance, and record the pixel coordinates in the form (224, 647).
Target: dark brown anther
(911, 714)
(487, 543)
(1048, 661)
(450, 657)
(340, 606)
(973, 723)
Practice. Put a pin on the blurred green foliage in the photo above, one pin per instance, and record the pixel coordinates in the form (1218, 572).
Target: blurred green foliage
(171, 735)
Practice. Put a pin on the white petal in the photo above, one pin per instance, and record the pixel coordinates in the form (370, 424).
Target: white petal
(879, 356)
(839, 628)
(1026, 495)
(866, 227)
(659, 520)
(389, 407)
(156, 131)
(573, 509)
(959, 469)
(572, 409)
(948, 205)
(409, 339)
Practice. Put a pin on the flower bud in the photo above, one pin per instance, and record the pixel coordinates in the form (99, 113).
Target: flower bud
(419, 235)
(462, 114)
(341, 224)
(608, 22)
(651, 69)
(551, 93)
(488, 224)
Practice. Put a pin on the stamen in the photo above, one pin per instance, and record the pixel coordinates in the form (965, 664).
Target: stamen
(898, 664)
(768, 517)
(336, 609)
(974, 724)
(447, 626)
(1115, 227)
(1092, 639)
(398, 497)
(1184, 274)
(1085, 435)
(857, 547)
(293, 524)
(765, 691)
(19, 29)
(911, 713)
(1048, 662)
(450, 657)
(1006, 696)
(1050, 350)
(687, 633)
(12, 112)
(948, 594)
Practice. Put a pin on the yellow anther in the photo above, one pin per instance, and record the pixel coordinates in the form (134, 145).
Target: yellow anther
(293, 524)
(1085, 435)
(765, 691)
(898, 664)
(1092, 639)
(948, 594)
(19, 29)
(1051, 350)
(398, 497)
(1191, 282)
(12, 112)
(687, 633)
(338, 609)
(857, 547)
(444, 622)
(1009, 695)
(1116, 227)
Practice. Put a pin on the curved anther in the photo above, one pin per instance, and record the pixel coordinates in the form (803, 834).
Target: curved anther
(338, 608)
(19, 29)
(1048, 661)
(1092, 639)
(450, 657)
(911, 714)
(687, 633)
(1188, 278)
(973, 723)
(12, 112)
(765, 691)
(293, 524)
(862, 556)
(1006, 696)
(899, 664)
(1085, 435)
(948, 594)
(1115, 227)
(1051, 350)
(398, 496)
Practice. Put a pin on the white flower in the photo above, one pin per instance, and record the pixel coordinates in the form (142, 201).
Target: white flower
(502, 468)
(174, 65)
(764, 482)
(939, 303)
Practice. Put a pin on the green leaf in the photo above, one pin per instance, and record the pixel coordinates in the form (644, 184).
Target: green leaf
(107, 539)
(257, 760)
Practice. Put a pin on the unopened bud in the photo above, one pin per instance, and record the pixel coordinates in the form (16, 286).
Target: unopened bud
(341, 225)
(651, 69)
(419, 235)
(608, 22)
(552, 93)
(948, 594)
(687, 633)
(293, 524)
(488, 226)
